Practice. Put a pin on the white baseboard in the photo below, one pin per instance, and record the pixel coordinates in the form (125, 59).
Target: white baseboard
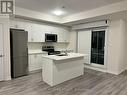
(95, 68)
(114, 73)
(104, 70)
(35, 71)
(7, 78)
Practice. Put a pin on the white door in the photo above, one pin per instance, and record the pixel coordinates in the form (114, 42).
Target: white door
(1, 53)
(84, 44)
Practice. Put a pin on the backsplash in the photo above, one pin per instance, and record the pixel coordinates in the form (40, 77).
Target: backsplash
(38, 46)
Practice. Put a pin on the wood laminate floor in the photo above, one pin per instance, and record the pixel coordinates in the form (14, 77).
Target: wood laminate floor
(91, 83)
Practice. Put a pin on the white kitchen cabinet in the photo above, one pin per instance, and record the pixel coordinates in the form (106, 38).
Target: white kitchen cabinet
(66, 36)
(17, 24)
(27, 27)
(63, 35)
(1, 53)
(60, 36)
(37, 33)
(20, 25)
(35, 62)
(84, 44)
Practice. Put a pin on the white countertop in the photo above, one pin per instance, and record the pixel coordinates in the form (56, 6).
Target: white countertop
(70, 56)
(36, 52)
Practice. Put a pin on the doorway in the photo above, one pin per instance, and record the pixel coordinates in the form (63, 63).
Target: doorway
(92, 42)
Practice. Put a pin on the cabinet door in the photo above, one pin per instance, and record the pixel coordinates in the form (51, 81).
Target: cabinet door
(61, 35)
(32, 62)
(27, 28)
(20, 25)
(39, 61)
(84, 44)
(67, 36)
(35, 62)
(1, 53)
(37, 33)
(42, 29)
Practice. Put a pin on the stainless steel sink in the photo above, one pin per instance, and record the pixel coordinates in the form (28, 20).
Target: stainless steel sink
(62, 55)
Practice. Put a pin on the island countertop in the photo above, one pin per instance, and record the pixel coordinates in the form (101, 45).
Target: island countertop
(69, 56)
(58, 69)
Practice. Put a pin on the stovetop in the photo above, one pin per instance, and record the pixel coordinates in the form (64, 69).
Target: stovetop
(50, 50)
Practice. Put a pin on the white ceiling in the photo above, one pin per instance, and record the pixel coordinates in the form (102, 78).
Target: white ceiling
(71, 6)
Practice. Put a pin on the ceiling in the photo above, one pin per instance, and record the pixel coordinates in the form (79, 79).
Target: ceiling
(71, 6)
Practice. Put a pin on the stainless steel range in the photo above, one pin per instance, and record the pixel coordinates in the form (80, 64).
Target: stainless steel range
(50, 50)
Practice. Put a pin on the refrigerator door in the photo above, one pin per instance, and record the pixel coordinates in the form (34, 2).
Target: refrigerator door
(19, 53)
(19, 67)
(19, 39)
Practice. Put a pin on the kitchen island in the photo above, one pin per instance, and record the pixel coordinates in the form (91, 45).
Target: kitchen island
(60, 68)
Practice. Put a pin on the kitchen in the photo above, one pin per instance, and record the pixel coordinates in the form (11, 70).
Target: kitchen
(75, 45)
(47, 41)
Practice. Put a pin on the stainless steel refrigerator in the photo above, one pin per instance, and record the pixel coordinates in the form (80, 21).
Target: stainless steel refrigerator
(19, 52)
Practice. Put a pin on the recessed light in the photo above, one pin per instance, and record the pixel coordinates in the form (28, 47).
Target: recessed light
(58, 12)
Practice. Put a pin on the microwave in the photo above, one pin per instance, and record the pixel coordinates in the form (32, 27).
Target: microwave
(50, 37)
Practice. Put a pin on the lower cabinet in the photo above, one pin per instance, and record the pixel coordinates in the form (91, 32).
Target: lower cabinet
(35, 62)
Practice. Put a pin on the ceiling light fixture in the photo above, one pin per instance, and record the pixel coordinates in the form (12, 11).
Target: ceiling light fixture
(58, 12)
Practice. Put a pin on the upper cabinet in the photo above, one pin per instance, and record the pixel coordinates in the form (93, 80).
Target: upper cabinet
(63, 35)
(17, 24)
(28, 28)
(36, 32)
(66, 35)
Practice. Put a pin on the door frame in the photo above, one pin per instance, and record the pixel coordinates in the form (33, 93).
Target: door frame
(2, 52)
(106, 29)
(105, 49)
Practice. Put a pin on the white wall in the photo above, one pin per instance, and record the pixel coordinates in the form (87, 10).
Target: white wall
(116, 46)
(38, 46)
(73, 39)
(97, 13)
(122, 46)
(117, 56)
(112, 57)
